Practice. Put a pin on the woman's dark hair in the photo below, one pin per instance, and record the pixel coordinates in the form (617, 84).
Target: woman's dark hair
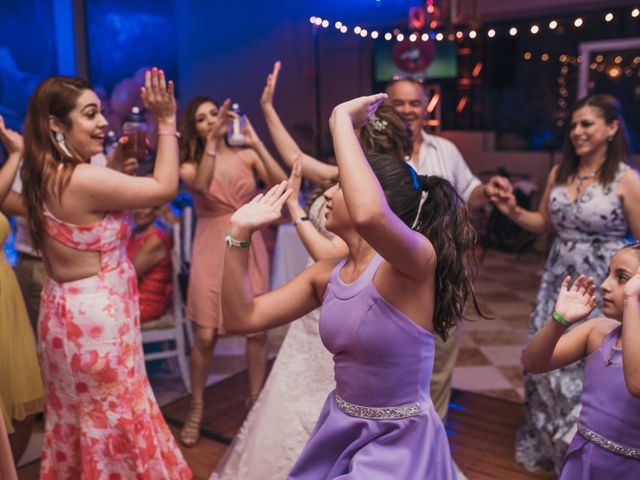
(46, 166)
(191, 145)
(445, 221)
(618, 149)
(387, 132)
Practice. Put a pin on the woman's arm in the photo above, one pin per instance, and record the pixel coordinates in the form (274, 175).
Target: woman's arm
(241, 311)
(103, 189)
(318, 246)
(198, 176)
(631, 335)
(150, 254)
(12, 142)
(266, 167)
(536, 222)
(313, 170)
(551, 347)
(406, 250)
(629, 191)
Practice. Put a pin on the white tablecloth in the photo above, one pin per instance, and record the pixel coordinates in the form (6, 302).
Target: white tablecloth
(289, 257)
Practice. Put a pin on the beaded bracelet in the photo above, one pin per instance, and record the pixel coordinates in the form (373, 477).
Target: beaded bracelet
(560, 319)
(232, 242)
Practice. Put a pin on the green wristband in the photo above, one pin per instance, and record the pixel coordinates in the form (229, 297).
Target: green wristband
(560, 319)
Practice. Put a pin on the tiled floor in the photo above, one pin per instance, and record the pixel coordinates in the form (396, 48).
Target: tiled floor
(489, 358)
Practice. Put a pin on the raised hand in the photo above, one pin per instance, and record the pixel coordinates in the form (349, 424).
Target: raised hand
(295, 180)
(270, 86)
(251, 137)
(632, 287)
(158, 96)
(11, 139)
(575, 303)
(215, 132)
(263, 210)
(359, 109)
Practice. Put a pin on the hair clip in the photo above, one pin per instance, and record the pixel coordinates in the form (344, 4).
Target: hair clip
(377, 123)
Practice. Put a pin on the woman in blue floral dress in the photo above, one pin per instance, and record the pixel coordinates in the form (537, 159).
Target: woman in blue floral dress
(592, 203)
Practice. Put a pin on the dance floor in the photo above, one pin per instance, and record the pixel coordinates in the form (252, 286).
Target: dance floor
(481, 431)
(487, 402)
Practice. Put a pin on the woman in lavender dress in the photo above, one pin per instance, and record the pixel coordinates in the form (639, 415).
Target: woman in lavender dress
(404, 279)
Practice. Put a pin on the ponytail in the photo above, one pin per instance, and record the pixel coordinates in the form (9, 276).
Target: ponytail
(431, 206)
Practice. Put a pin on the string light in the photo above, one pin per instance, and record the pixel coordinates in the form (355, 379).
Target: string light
(635, 12)
(400, 37)
(459, 35)
(388, 36)
(344, 29)
(357, 30)
(363, 32)
(374, 34)
(325, 23)
(513, 31)
(491, 33)
(608, 17)
(472, 34)
(578, 22)
(413, 37)
(553, 24)
(312, 19)
(425, 37)
(527, 55)
(535, 29)
(338, 25)
(439, 37)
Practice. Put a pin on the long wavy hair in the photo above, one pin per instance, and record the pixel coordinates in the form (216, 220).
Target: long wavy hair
(387, 132)
(444, 219)
(47, 167)
(191, 145)
(618, 149)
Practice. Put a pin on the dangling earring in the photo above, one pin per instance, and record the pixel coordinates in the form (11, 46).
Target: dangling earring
(610, 138)
(62, 144)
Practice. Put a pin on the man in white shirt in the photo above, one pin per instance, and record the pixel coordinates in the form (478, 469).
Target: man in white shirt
(438, 156)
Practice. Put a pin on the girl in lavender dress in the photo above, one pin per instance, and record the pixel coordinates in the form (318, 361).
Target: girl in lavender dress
(404, 280)
(607, 444)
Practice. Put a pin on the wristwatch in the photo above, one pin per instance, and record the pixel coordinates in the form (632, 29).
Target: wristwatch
(232, 242)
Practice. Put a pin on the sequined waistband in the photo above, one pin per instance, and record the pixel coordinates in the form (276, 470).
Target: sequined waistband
(379, 413)
(607, 444)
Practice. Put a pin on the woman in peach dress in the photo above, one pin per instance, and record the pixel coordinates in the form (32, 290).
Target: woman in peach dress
(221, 179)
(102, 420)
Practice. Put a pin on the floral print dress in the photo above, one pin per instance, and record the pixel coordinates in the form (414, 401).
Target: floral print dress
(102, 420)
(589, 231)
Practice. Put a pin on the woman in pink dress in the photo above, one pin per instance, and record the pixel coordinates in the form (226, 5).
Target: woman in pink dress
(221, 179)
(102, 420)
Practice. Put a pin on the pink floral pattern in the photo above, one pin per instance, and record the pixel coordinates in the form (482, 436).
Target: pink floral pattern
(102, 419)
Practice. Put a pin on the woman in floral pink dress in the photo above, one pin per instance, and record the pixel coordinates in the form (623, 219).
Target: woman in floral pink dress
(102, 420)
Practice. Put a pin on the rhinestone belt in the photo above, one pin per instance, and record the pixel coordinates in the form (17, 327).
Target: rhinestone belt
(607, 444)
(378, 413)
